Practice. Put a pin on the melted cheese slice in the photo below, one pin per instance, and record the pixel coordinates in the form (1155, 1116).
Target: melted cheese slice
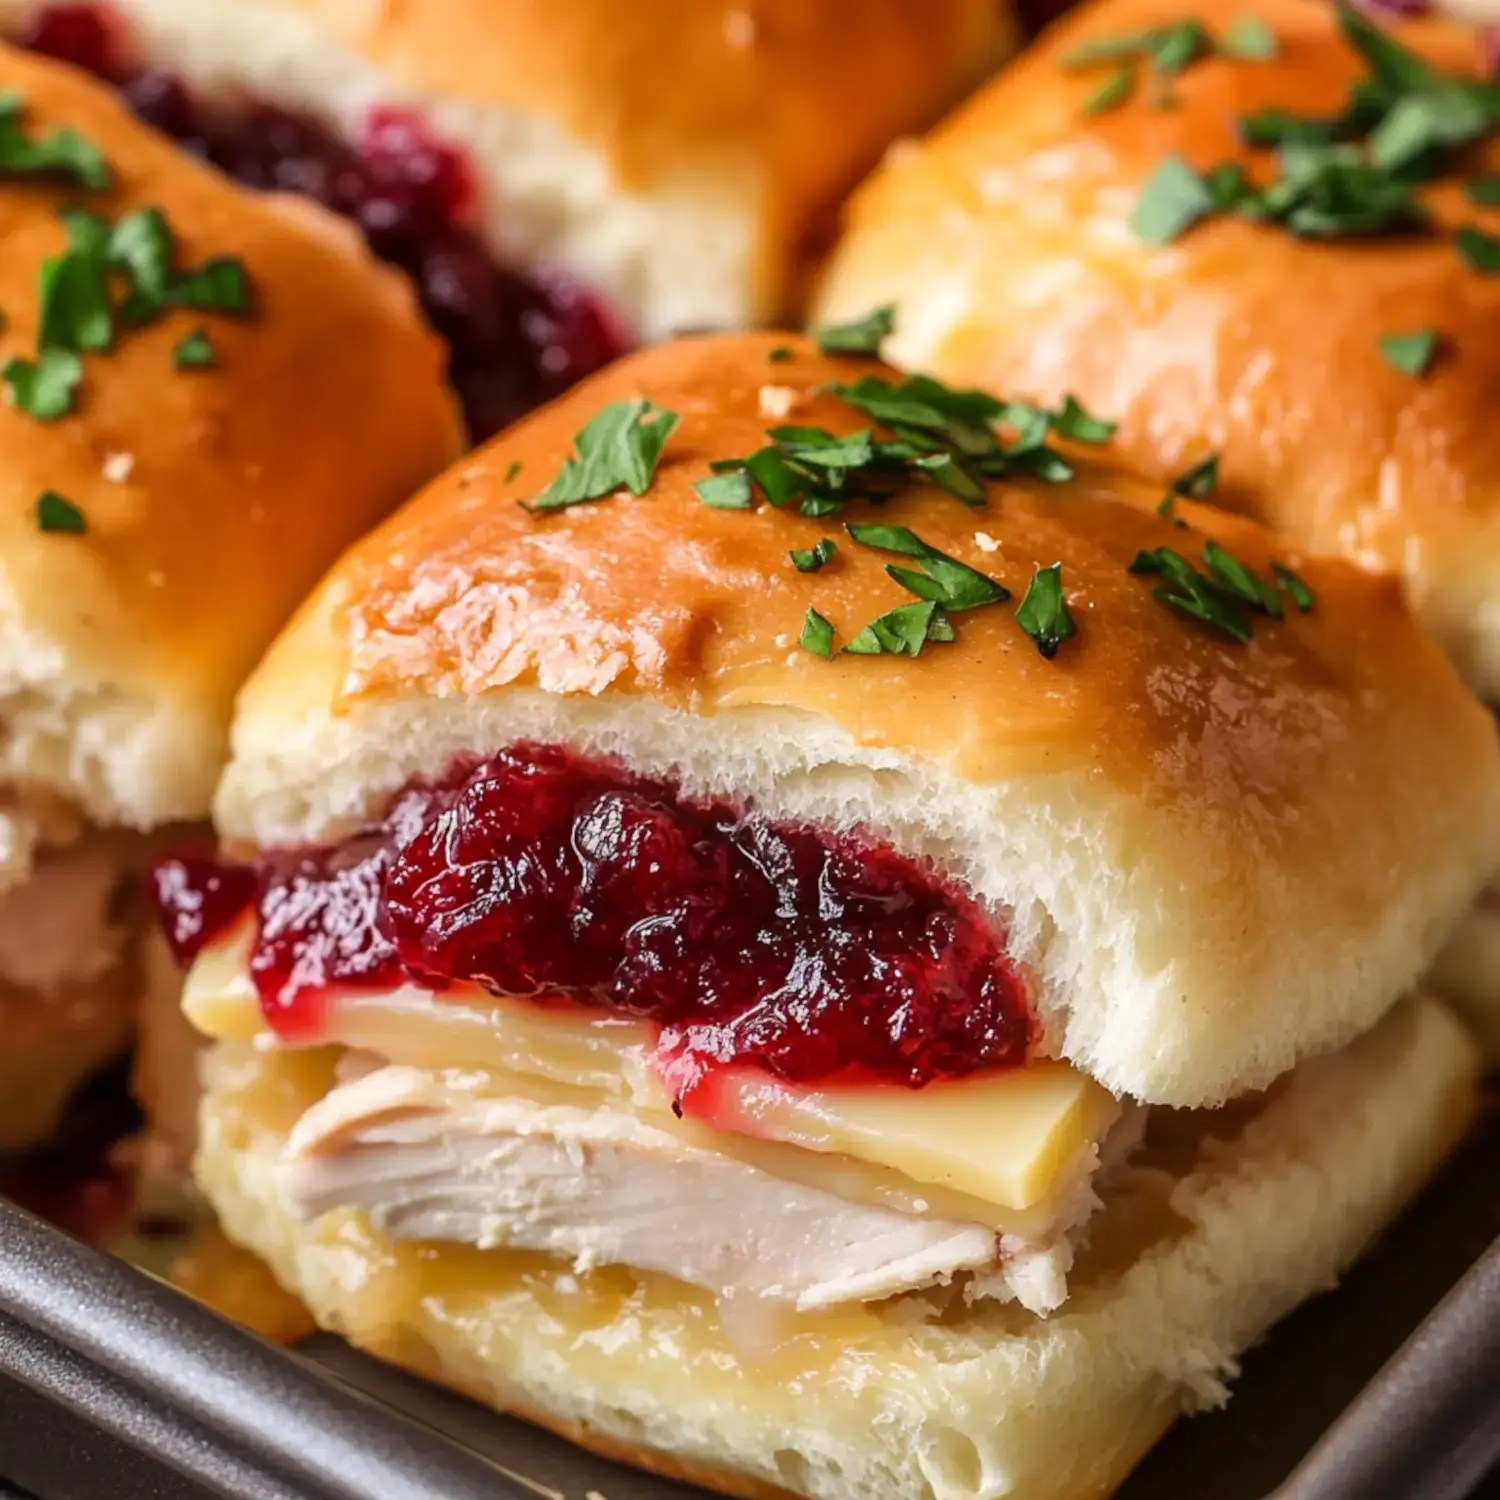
(1016, 1139)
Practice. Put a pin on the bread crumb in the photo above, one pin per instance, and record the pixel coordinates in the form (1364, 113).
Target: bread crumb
(117, 467)
(778, 400)
(987, 543)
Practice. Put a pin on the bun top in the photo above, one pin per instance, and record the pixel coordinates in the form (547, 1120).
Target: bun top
(211, 498)
(1176, 823)
(684, 93)
(1007, 243)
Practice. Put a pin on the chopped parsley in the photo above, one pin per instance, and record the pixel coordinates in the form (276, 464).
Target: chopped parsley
(726, 491)
(1225, 597)
(55, 513)
(61, 153)
(44, 388)
(1250, 39)
(943, 579)
(1410, 353)
(782, 354)
(195, 351)
(817, 635)
(1113, 92)
(862, 336)
(1480, 251)
(220, 285)
(1043, 613)
(1484, 192)
(619, 448)
(1174, 199)
(810, 559)
(512, 469)
(1200, 480)
(902, 631)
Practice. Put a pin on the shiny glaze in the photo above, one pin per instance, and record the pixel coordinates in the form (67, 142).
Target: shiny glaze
(1006, 239)
(1310, 749)
(238, 484)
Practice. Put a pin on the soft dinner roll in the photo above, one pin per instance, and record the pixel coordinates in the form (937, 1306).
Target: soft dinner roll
(1208, 859)
(676, 155)
(1220, 1228)
(159, 522)
(1006, 241)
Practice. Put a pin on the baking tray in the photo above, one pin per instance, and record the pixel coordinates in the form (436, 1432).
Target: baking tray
(115, 1387)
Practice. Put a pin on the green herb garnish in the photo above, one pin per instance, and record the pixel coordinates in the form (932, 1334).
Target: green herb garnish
(1190, 593)
(194, 351)
(862, 336)
(220, 285)
(1411, 353)
(903, 630)
(1484, 192)
(1043, 613)
(1250, 39)
(1293, 587)
(942, 579)
(1113, 92)
(1232, 575)
(512, 469)
(60, 153)
(781, 354)
(1200, 480)
(54, 513)
(617, 449)
(810, 559)
(817, 635)
(1171, 202)
(1480, 251)
(43, 388)
(726, 491)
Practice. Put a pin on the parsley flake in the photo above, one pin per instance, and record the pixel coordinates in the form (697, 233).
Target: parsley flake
(54, 513)
(219, 285)
(1071, 421)
(619, 448)
(1484, 192)
(1410, 353)
(1043, 613)
(1480, 251)
(60, 153)
(43, 388)
(512, 469)
(1113, 92)
(817, 635)
(862, 336)
(1293, 587)
(943, 579)
(1188, 592)
(1251, 39)
(1199, 481)
(810, 559)
(194, 351)
(782, 354)
(901, 631)
(726, 491)
(1170, 204)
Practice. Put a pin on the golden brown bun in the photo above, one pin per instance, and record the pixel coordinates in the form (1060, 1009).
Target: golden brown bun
(677, 154)
(1224, 1227)
(1215, 858)
(1005, 241)
(213, 498)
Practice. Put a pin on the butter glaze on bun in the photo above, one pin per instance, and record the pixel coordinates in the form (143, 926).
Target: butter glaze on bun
(1225, 1227)
(1213, 858)
(1005, 241)
(677, 155)
(212, 498)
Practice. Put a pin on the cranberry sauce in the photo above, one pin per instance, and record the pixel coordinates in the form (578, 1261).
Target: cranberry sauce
(808, 953)
(515, 341)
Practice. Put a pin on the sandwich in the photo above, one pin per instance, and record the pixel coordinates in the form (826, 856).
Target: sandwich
(779, 925)
(207, 393)
(1265, 252)
(561, 178)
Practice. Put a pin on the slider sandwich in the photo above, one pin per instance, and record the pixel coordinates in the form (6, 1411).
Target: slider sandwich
(561, 178)
(207, 393)
(778, 926)
(1270, 249)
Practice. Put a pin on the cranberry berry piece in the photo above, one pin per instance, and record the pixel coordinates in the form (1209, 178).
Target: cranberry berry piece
(198, 896)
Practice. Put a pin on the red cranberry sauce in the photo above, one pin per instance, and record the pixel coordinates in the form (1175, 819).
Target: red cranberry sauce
(808, 953)
(515, 341)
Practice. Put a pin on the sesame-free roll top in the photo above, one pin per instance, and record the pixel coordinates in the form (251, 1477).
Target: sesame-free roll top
(828, 721)
(1275, 237)
(209, 392)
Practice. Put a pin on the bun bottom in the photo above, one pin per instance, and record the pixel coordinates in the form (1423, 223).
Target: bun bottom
(1467, 976)
(1227, 1220)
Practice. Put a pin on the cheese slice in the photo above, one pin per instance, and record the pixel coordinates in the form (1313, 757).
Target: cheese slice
(1013, 1139)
